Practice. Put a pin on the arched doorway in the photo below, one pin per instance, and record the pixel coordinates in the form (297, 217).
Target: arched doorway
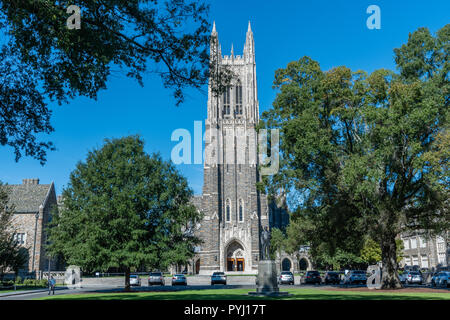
(303, 264)
(235, 257)
(286, 265)
(197, 266)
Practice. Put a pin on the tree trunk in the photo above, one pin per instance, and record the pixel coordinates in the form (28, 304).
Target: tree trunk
(127, 280)
(389, 278)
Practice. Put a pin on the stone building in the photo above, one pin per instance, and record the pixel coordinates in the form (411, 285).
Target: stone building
(33, 204)
(234, 210)
(425, 252)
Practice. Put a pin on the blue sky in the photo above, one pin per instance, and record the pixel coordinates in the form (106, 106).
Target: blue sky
(334, 33)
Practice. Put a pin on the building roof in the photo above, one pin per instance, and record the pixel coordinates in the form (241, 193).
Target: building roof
(27, 197)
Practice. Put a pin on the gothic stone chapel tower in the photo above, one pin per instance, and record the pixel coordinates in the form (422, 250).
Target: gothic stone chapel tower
(233, 209)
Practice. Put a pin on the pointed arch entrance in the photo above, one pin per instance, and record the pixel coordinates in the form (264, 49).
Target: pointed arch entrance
(235, 260)
(286, 264)
(303, 264)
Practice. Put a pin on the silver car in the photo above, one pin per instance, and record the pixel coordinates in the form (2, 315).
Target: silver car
(355, 276)
(156, 278)
(179, 279)
(135, 280)
(218, 277)
(413, 277)
(286, 277)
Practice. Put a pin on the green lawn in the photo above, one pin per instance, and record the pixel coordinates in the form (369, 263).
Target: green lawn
(241, 294)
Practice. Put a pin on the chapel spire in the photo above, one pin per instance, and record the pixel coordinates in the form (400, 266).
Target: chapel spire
(249, 47)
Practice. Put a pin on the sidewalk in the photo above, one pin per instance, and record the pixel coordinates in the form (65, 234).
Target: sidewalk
(22, 292)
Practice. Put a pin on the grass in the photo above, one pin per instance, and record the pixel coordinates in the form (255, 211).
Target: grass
(241, 294)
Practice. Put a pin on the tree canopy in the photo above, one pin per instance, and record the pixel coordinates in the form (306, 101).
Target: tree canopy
(125, 209)
(362, 153)
(41, 60)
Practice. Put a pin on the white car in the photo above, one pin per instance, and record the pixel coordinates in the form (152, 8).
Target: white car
(135, 280)
(443, 279)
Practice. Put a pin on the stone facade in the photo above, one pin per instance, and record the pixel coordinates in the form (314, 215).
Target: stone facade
(234, 210)
(425, 252)
(33, 204)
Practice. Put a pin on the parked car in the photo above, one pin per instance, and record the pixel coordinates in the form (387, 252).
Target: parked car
(434, 279)
(156, 278)
(312, 277)
(331, 277)
(179, 279)
(413, 277)
(286, 277)
(218, 278)
(355, 276)
(135, 280)
(402, 277)
(443, 279)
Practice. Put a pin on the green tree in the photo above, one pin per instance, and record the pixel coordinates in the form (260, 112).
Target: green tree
(339, 251)
(125, 209)
(371, 252)
(277, 242)
(12, 255)
(355, 147)
(41, 60)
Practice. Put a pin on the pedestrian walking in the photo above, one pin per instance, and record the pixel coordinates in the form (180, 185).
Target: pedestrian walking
(51, 286)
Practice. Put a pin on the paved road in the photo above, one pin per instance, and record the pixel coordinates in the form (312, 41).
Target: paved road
(115, 288)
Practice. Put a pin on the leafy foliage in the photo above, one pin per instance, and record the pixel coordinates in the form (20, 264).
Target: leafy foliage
(42, 60)
(371, 252)
(277, 242)
(363, 154)
(125, 209)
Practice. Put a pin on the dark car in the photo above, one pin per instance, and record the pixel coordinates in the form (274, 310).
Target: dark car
(331, 277)
(218, 278)
(312, 277)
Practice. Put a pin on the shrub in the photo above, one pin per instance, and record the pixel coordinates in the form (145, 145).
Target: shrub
(29, 282)
(19, 280)
(7, 283)
(43, 283)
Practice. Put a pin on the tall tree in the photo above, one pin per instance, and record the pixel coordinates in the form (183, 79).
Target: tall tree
(356, 147)
(371, 252)
(277, 242)
(12, 255)
(125, 209)
(42, 60)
